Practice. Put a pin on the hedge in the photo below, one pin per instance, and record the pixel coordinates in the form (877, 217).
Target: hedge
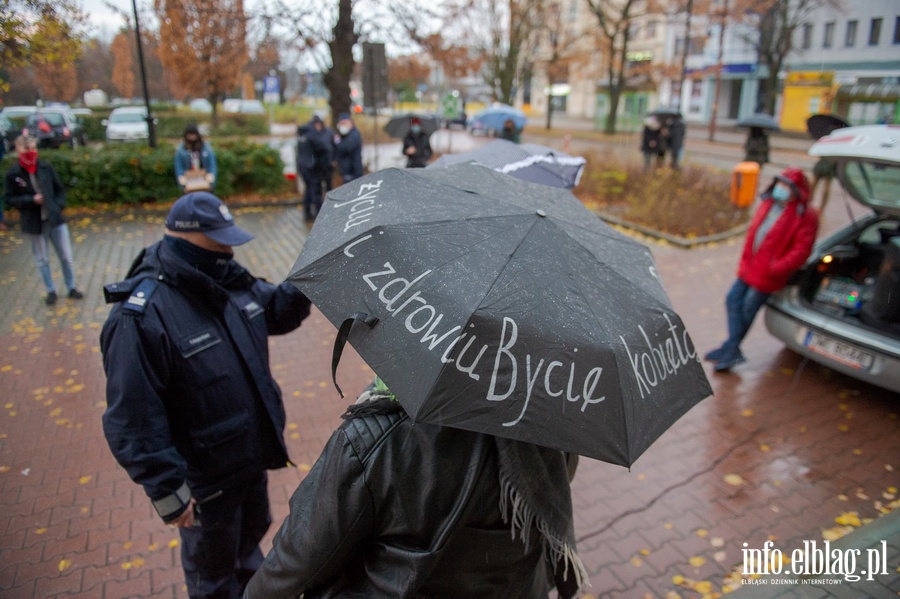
(132, 174)
(171, 124)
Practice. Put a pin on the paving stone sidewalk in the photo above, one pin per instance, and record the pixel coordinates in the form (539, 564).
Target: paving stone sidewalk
(785, 451)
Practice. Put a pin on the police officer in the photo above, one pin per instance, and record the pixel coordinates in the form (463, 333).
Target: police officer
(193, 413)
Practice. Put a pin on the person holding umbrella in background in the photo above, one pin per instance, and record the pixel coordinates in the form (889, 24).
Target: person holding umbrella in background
(756, 146)
(416, 146)
(778, 242)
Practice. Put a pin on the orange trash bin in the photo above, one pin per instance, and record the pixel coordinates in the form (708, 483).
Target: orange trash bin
(744, 180)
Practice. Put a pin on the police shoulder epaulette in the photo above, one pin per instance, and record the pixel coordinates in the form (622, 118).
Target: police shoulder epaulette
(141, 294)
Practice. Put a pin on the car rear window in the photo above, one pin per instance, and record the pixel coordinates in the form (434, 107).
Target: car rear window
(877, 183)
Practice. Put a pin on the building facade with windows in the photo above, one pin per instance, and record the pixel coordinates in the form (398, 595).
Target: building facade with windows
(845, 61)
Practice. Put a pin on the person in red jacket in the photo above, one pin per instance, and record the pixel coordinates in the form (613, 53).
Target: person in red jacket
(779, 240)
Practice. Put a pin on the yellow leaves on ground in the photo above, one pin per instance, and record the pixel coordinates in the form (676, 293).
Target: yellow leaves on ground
(849, 519)
(64, 564)
(701, 532)
(173, 543)
(735, 480)
(746, 413)
(85, 479)
(697, 561)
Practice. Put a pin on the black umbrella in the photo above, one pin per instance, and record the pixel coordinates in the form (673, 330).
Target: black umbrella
(399, 125)
(665, 112)
(820, 125)
(760, 120)
(529, 162)
(504, 307)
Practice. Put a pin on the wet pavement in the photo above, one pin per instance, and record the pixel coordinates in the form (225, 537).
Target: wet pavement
(785, 451)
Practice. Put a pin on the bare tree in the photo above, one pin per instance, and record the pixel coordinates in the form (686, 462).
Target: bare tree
(615, 18)
(204, 43)
(123, 63)
(779, 21)
(47, 34)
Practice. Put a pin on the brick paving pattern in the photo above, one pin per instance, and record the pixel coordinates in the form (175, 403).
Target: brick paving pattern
(781, 452)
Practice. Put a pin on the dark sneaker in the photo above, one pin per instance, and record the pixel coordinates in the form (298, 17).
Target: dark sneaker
(75, 294)
(730, 361)
(715, 355)
(51, 298)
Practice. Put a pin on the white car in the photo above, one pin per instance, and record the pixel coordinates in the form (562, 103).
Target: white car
(128, 123)
(842, 308)
(243, 106)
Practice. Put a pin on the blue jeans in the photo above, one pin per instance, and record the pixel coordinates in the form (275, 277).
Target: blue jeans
(62, 243)
(741, 305)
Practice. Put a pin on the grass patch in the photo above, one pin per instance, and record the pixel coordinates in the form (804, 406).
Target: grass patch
(691, 202)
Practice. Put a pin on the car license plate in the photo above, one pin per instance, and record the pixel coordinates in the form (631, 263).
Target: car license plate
(836, 350)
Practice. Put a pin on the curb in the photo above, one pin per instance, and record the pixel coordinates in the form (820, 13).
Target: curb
(681, 242)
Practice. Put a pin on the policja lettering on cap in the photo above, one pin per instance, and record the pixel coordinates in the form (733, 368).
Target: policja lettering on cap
(202, 212)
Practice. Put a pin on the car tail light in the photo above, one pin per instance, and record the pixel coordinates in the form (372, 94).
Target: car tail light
(66, 132)
(45, 126)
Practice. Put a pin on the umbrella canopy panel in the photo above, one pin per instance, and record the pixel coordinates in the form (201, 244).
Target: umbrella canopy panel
(399, 126)
(494, 117)
(529, 162)
(820, 125)
(761, 120)
(503, 307)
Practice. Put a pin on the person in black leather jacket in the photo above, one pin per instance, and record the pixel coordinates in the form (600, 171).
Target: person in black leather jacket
(397, 509)
(193, 412)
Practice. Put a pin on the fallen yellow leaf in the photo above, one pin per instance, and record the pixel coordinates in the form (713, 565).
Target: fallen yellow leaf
(734, 480)
(173, 543)
(678, 579)
(701, 532)
(697, 561)
(747, 413)
(85, 479)
(849, 519)
(40, 531)
(63, 564)
(636, 561)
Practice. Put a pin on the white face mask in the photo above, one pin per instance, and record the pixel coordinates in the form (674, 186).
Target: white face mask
(781, 193)
(344, 129)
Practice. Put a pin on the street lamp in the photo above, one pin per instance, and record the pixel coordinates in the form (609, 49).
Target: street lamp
(151, 129)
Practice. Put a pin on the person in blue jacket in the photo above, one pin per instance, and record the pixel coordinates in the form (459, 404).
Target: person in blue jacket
(348, 149)
(193, 412)
(195, 153)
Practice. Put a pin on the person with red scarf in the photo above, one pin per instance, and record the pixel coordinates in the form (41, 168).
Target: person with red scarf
(34, 188)
(779, 240)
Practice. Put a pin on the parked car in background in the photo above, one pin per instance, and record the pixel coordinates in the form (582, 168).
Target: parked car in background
(16, 116)
(82, 111)
(54, 128)
(200, 105)
(8, 133)
(842, 309)
(128, 123)
(243, 106)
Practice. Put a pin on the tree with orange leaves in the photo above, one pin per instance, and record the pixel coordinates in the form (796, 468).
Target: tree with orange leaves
(203, 42)
(123, 64)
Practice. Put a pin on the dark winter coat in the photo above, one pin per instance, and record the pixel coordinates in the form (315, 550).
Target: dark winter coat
(788, 243)
(313, 151)
(348, 155)
(756, 148)
(191, 400)
(652, 141)
(423, 149)
(19, 193)
(394, 509)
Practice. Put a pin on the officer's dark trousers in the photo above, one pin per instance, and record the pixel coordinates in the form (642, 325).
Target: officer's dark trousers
(221, 554)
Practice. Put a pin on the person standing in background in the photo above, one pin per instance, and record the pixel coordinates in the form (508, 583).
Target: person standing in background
(312, 153)
(416, 146)
(348, 149)
(34, 188)
(195, 154)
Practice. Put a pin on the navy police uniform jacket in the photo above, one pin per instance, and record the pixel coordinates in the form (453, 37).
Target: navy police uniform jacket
(191, 400)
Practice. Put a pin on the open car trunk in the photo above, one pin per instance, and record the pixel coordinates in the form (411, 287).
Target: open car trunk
(857, 280)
